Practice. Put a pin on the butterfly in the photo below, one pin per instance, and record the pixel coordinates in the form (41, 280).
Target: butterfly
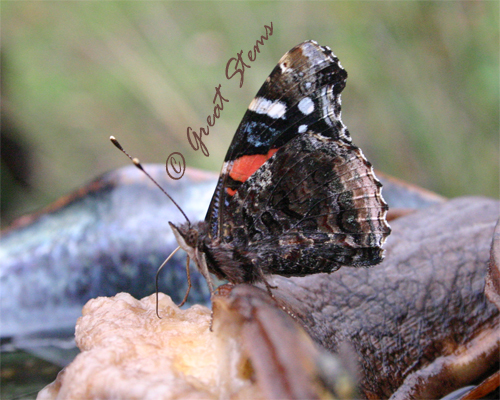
(295, 196)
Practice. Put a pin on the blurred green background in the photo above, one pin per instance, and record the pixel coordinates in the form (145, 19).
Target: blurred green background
(422, 98)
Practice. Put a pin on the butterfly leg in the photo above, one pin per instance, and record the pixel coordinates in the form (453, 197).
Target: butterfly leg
(206, 274)
(278, 303)
(268, 285)
(189, 284)
(158, 275)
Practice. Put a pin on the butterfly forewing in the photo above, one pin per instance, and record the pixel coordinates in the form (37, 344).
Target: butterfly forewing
(302, 91)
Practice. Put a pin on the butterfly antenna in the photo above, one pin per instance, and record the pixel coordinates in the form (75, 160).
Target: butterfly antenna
(158, 274)
(138, 164)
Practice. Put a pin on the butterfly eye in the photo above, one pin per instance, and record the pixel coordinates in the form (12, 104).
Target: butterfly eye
(192, 237)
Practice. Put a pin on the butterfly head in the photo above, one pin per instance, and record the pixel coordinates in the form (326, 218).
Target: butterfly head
(186, 236)
(191, 239)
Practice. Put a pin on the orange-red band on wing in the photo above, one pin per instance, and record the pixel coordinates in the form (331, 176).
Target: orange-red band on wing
(244, 167)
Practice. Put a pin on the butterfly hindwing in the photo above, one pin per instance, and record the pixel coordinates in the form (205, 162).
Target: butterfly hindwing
(317, 201)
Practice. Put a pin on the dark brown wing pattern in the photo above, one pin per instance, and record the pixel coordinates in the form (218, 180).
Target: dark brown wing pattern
(312, 208)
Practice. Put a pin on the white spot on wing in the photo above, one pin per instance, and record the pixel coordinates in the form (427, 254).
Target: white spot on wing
(284, 67)
(302, 128)
(273, 109)
(306, 106)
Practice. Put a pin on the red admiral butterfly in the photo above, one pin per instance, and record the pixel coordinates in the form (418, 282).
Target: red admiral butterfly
(294, 196)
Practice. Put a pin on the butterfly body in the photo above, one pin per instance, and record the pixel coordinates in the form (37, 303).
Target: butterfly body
(295, 196)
